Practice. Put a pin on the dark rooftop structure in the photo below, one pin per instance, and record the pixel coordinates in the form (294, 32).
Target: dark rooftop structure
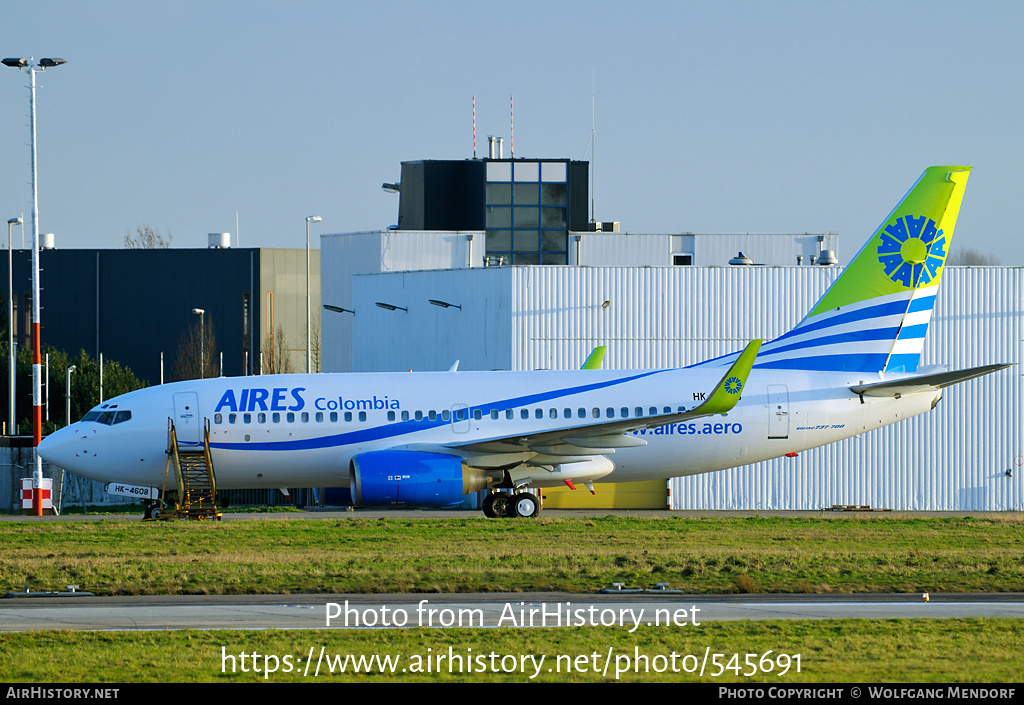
(526, 206)
(131, 305)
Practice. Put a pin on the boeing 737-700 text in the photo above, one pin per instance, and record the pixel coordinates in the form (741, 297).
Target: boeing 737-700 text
(430, 438)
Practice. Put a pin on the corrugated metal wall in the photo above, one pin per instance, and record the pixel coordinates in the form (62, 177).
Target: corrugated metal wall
(622, 249)
(428, 337)
(347, 254)
(655, 316)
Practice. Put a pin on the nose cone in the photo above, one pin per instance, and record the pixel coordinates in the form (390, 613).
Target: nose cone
(68, 448)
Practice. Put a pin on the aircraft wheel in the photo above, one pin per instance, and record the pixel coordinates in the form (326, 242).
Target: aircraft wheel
(502, 505)
(525, 505)
(488, 506)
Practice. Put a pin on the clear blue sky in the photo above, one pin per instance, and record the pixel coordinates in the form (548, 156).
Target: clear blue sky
(710, 117)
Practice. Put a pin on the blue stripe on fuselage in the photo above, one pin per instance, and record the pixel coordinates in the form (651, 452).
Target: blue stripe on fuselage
(401, 428)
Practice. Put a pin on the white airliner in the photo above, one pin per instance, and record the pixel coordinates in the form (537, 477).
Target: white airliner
(430, 438)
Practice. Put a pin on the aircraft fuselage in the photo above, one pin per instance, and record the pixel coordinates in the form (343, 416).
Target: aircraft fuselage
(303, 430)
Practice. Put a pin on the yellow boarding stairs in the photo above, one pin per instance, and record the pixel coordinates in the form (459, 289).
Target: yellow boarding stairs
(196, 498)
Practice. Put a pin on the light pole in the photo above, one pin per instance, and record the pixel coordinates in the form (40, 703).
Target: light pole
(309, 357)
(67, 395)
(23, 64)
(11, 378)
(202, 341)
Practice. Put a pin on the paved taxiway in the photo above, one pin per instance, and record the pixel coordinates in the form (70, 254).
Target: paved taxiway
(514, 609)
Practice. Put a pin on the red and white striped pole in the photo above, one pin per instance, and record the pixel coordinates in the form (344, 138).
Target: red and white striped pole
(37, 377)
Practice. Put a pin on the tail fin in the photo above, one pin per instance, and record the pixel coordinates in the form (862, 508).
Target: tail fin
(874, 316)
(596, 358)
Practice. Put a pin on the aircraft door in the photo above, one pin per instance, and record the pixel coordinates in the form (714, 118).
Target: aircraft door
(778, 411)
(187, 422)
(460, 418)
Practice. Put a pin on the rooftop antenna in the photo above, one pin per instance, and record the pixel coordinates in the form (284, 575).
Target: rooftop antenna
(590, 144)
(474, 127)
(593, 139)
(511, 128)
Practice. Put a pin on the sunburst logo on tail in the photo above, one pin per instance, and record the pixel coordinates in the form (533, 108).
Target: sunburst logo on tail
(733, 385)
(912, 251)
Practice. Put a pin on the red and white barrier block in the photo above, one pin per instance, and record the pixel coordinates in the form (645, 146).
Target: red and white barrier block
(45, 495)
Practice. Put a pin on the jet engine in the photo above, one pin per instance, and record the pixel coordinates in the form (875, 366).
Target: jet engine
(411, 478)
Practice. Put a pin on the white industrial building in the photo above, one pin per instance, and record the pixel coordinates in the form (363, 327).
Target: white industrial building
(441, 304)
(348, 257)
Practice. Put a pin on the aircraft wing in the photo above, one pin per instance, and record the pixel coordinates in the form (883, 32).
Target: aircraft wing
(578, 442)
(923, 383)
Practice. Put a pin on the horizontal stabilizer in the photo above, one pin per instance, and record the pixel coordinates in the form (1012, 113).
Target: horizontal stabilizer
(923, 383)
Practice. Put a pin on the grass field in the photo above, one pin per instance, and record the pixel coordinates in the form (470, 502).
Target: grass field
(406, 554)
(833, 651)
(698, 555)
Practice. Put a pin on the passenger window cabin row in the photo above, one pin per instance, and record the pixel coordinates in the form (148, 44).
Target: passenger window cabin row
(461, 414)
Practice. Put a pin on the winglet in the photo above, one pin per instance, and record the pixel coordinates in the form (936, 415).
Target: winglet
(727, 392)
(596, 358)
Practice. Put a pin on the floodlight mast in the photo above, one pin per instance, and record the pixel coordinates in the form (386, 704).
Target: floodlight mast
(23, 64)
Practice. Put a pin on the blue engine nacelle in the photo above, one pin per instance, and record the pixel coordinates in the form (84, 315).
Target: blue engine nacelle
(411, 478)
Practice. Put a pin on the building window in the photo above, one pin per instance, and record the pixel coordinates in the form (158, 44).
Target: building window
(526, 212)
(685, 260)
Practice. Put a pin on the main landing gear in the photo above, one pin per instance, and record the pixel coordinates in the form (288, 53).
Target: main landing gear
(152, 510)
(507, 506)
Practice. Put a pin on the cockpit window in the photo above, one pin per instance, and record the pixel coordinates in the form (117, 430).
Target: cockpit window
(108, 417)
